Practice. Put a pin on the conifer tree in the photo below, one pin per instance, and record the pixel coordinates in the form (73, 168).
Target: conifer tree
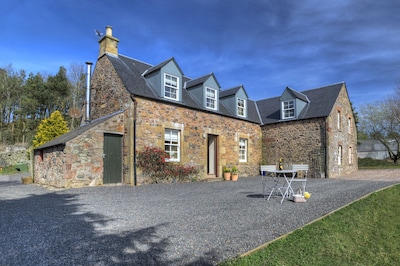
(50, 128)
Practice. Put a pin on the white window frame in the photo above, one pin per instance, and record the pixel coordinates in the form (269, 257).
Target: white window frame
(172, 144)
(340, 154)
(350, 155)
(241, 107)
(288, 109)
(211, 102)
(242, 150)
(171, 85)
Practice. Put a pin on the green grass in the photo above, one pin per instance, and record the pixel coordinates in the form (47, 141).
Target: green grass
(12, 169)
(368, 163)
(366, 232)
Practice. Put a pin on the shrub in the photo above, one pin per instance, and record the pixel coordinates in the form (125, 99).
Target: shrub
(50, 128)
(153, 163)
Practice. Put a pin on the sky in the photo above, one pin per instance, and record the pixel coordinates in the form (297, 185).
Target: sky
(264, 45)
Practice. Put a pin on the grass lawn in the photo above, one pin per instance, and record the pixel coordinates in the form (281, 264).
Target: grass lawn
(366, 232)
(13, 169)
(368, 163)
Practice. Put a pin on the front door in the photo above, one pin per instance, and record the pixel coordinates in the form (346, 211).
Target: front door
(212, 155)
(112, 159)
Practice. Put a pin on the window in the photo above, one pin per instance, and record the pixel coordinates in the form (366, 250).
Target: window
(172, 144)
(339, 121)
(171, 87)
(349, 125)
(340, 155)
(211, 98)
(243, 150)
(241, 107)
(288, 109)
(350, 155)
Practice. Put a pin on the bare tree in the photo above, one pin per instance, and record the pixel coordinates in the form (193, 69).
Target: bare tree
(381, 121)
(76, 75)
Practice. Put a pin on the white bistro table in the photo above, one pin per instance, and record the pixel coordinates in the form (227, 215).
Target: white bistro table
(288, 175)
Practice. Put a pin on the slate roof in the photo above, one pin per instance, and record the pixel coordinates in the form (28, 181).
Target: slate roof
(321, 103)
(61, 140)
(131, 72)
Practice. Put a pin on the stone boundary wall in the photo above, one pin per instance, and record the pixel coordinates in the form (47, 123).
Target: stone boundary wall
(13, 154)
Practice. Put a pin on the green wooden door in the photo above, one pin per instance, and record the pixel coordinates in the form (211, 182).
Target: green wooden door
(112, 159)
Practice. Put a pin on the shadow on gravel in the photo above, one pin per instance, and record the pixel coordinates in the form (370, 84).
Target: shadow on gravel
(50, 229)
(9, 183)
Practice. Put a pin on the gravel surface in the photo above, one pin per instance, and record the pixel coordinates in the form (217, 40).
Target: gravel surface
(176, 224)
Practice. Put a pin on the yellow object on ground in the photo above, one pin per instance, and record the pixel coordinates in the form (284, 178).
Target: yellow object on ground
(307, 195)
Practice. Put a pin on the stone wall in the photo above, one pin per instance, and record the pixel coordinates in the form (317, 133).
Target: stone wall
(344, 136)
(154, 117)
(108, 93)
(79, 162)
(295, 142)
(13, 154)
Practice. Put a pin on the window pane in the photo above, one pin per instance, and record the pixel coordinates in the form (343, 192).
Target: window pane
(288, 109)
(241, 106)
(171, 144)
(171, 87)
(211, 98)
(243, 150)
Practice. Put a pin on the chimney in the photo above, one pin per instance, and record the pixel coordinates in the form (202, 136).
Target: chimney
(108, 44)
(88, 77)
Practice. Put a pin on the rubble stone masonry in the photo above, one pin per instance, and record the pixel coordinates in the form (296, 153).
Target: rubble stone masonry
(195, 126)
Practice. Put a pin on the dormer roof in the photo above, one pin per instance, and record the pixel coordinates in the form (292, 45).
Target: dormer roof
(161, 65)
(231, 92)
(201, 80)
(296, 94)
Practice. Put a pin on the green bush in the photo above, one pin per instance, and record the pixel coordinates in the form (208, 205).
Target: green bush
(50, 128)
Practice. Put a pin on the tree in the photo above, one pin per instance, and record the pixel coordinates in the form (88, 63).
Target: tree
(11, 88)
(50, 128)
(58, 90)
(381, 121)
(77, 77)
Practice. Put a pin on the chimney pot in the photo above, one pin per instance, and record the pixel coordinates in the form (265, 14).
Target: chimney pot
(108, 30)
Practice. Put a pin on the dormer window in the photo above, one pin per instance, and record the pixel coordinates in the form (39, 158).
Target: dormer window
(241, 107)
(171, 87)
(288, 109)
(211, 98)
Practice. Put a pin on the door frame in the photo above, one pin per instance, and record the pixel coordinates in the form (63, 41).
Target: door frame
(212, 155)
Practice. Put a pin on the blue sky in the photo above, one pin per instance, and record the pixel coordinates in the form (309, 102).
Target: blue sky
(265, 45)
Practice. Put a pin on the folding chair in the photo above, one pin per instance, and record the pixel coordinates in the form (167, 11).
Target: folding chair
(300, 178)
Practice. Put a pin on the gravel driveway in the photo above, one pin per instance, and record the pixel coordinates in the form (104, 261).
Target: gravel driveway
(176, 224)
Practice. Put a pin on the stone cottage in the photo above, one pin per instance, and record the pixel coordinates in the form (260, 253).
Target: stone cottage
(197, 123)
